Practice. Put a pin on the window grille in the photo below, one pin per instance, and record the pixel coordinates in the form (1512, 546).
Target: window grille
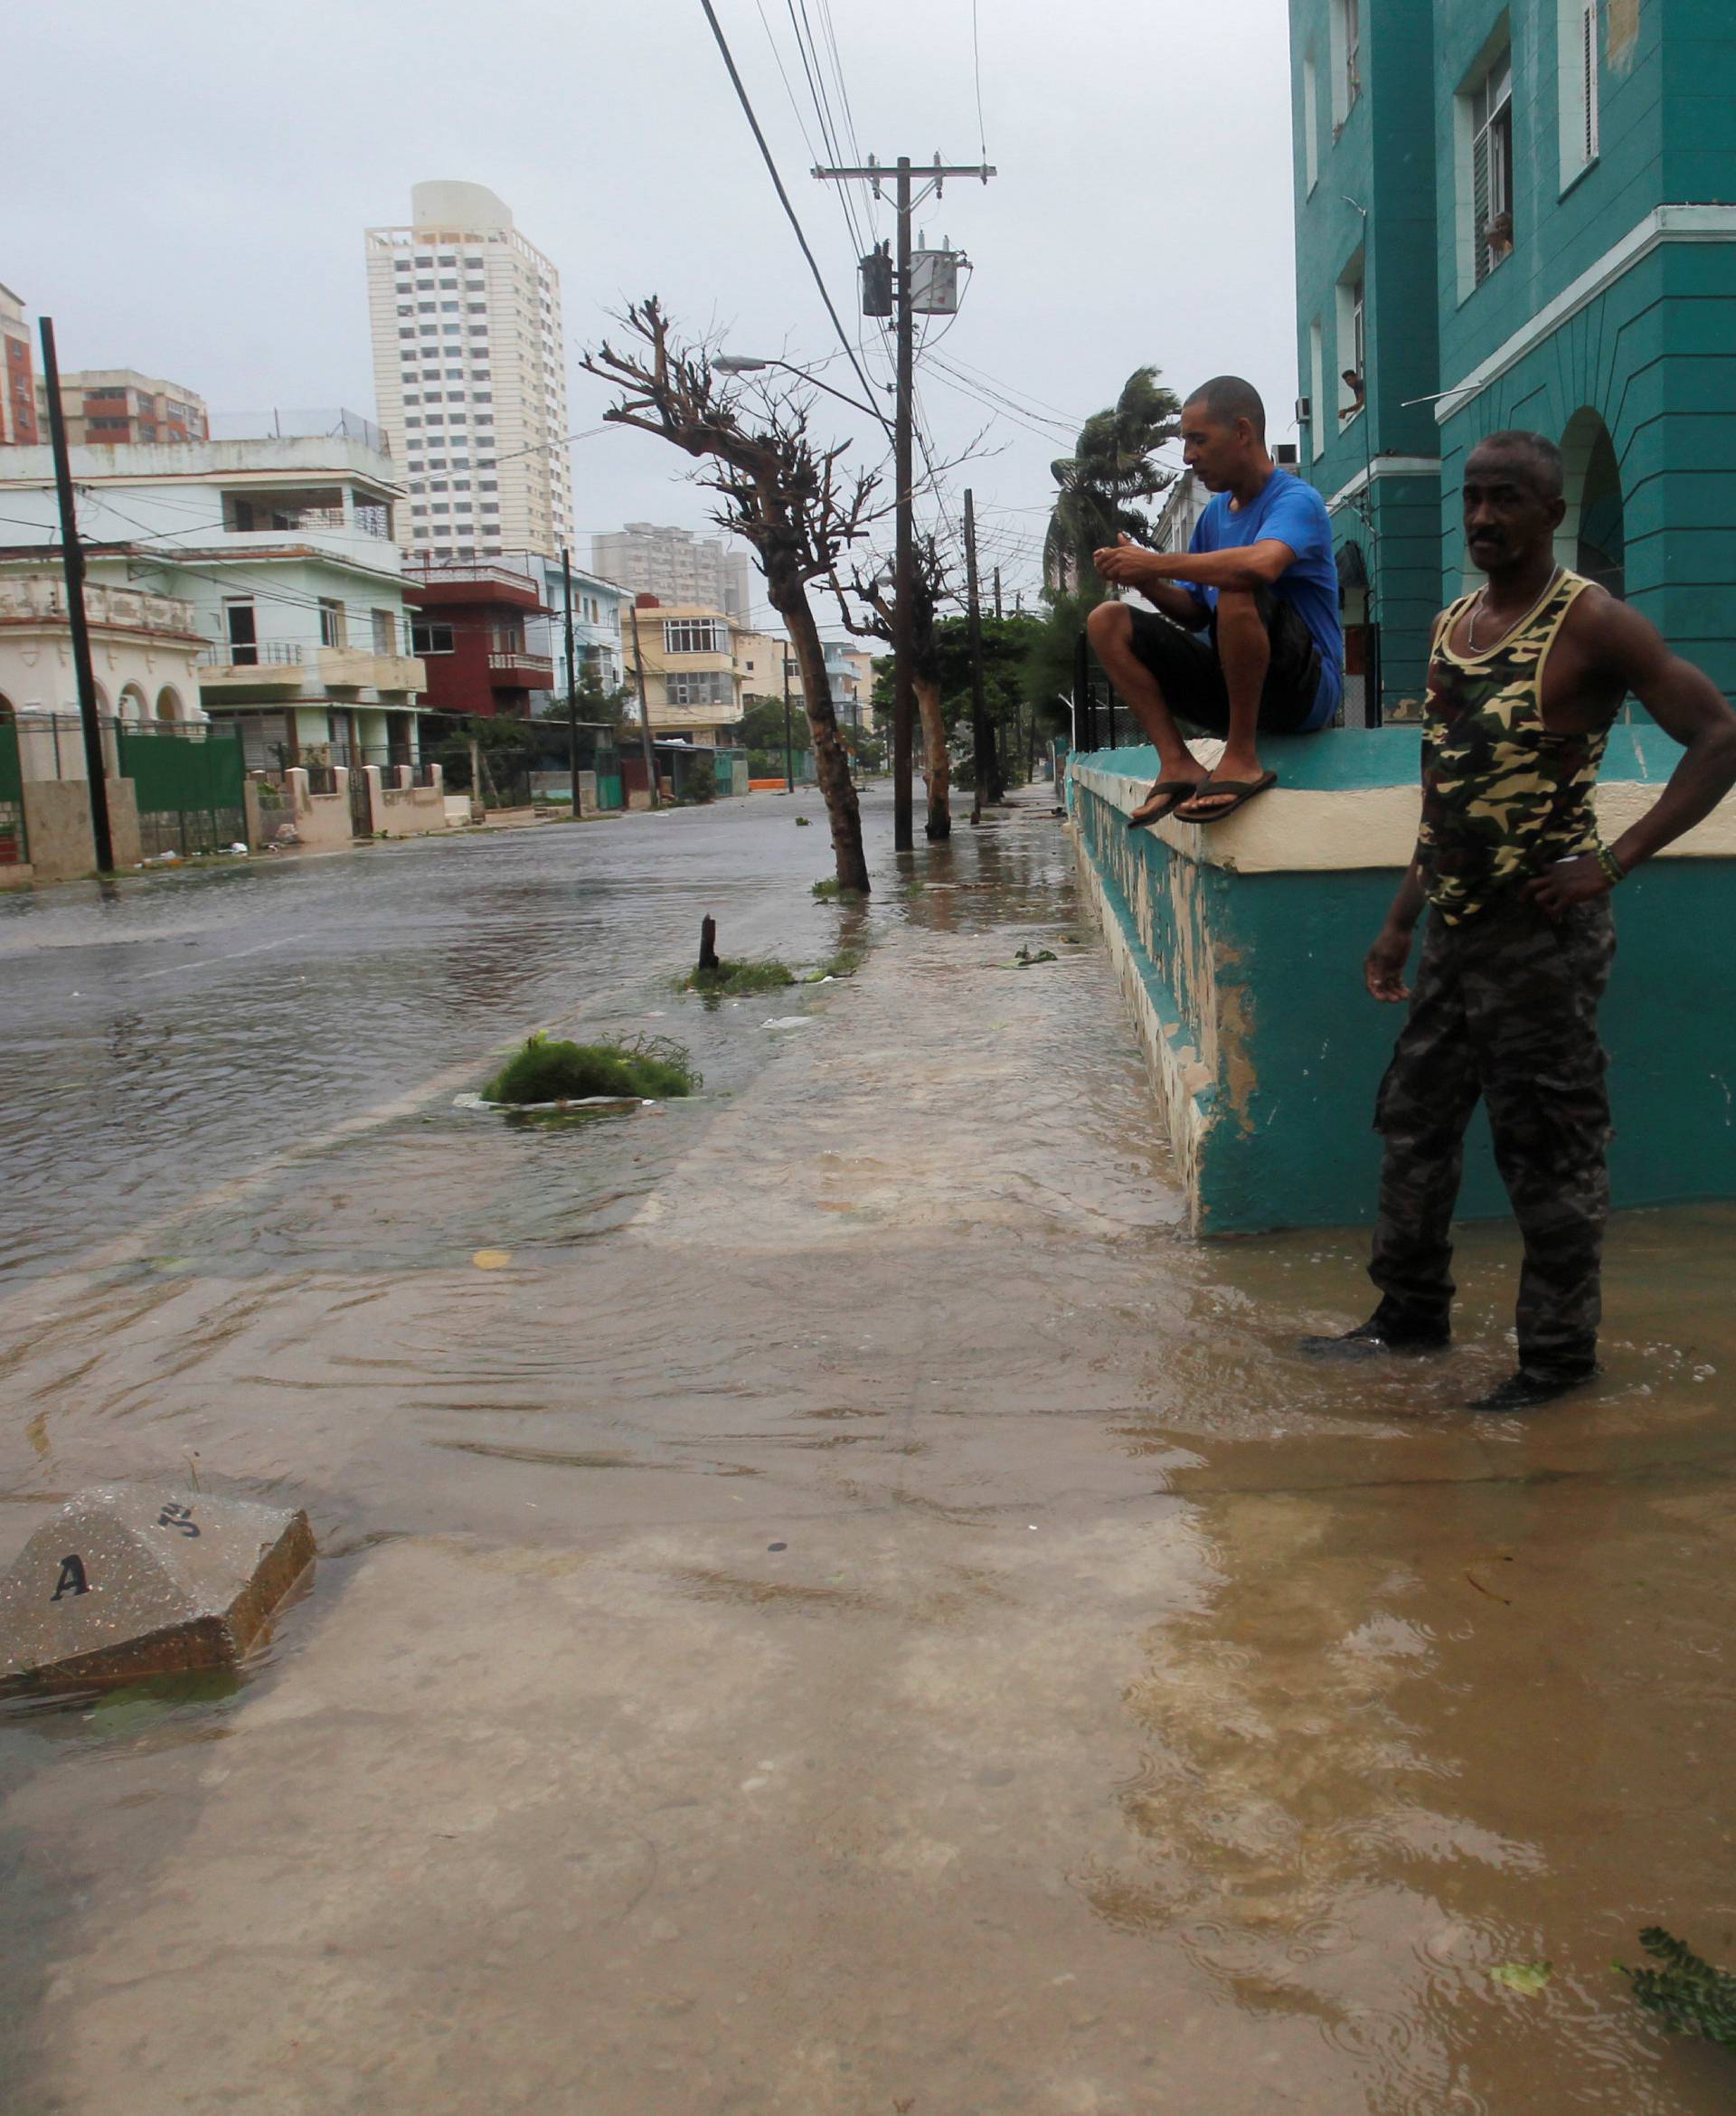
(1588, 75)
(1492, 168)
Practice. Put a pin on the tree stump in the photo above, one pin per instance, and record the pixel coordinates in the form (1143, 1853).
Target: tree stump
(708, 944)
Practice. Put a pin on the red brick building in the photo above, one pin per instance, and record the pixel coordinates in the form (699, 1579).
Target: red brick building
(17, 377)
(108, 405)
(467, 625)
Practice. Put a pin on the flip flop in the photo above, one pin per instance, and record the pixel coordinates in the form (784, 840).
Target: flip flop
(1178, 791)
(1242, 789)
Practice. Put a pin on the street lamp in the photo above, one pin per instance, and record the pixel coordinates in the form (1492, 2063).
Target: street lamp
(745, 364)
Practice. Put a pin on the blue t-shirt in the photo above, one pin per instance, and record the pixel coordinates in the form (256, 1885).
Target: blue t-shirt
(1292, 511)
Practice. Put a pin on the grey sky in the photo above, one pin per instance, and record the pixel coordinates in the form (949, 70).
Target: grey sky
(203, 172)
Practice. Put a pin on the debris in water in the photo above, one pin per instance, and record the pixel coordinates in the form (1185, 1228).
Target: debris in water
(1526, 1977)
(492, 1259)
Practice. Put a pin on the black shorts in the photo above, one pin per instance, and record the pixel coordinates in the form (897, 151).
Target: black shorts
(1191, 676)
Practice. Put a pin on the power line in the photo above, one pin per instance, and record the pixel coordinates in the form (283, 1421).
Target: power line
(783, 197)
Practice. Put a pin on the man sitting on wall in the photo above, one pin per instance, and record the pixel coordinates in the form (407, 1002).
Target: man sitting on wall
(1524, 679)
(1247, 640)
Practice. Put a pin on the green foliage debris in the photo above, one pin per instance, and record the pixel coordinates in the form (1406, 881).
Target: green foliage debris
(845, 963)
(1024, 958)
(1527, 1977)
(545, 1069)
(1687, 1995)
(832, 891)
(737, 979)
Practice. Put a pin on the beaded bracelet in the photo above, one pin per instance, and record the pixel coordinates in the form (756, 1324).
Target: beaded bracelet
(1613, 870)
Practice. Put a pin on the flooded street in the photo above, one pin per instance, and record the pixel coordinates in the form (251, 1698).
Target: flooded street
(856, 1612)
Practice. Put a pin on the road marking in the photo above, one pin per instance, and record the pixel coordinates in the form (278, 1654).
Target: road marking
(178, 969)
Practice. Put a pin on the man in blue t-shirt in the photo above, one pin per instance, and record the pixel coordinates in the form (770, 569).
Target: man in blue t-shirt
(1248, 639)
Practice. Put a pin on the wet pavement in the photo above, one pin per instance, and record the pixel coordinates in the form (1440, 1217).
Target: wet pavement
(854, 1612)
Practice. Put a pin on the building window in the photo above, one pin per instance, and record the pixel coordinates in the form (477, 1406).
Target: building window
(331, 623)
(1317, 385)
(696, 688)
(1346, 59)
(1310, 123)
(385, 631)
(695, 635)
(1578, 87)
(430, 638)
(1352, 357)
(1491, 122)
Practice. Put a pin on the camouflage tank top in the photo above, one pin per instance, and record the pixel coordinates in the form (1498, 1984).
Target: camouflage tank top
(1503, 798)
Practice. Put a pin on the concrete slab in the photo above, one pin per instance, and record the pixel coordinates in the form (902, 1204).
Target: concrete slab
(128, 1581)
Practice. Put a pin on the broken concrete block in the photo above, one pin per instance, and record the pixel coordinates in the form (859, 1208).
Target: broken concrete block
(133, 1580)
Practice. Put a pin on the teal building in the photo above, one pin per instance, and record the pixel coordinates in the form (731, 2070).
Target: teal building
(1518, 215)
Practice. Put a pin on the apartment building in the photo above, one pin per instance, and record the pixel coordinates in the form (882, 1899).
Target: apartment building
(677, 566)
(470, 629)
(469, 366)
(104, 406)
(283, 550)
(17, 384)
(691, 683)
(596, 626)
(1518, 213)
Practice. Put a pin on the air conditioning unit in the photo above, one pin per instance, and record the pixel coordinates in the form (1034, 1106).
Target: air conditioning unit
(1303, 410)
(1285, 453)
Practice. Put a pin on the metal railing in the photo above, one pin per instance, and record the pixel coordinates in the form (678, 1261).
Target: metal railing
(253, 654)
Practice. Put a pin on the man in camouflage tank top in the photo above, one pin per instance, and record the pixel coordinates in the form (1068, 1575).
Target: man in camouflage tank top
(1525, 679)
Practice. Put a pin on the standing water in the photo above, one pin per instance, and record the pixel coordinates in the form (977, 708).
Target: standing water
(828, 1601)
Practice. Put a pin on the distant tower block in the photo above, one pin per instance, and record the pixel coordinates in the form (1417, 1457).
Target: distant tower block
(128, 1581)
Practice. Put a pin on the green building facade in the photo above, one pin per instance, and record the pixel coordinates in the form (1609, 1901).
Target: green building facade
(1519, 215)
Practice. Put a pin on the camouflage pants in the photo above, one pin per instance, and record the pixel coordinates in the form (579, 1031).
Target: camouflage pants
(1505, 1007)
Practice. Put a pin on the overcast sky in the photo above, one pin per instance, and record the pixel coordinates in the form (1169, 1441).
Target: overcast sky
(203, 173)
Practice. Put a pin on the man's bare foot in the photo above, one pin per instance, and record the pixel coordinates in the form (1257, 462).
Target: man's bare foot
(1167, 794)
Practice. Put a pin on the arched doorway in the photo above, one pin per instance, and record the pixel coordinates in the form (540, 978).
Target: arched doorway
(1593, 536)
(134, 708)
(1362, 705)
(169, 704)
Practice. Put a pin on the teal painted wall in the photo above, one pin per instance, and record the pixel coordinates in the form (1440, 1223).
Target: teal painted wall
(1298, 1149)
(1383, 161)
(1652, 357)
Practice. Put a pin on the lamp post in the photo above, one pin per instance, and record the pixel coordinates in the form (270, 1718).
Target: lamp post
(745, 364)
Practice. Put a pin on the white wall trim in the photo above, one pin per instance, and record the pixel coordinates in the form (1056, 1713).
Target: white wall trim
(1668, 223)
(1383, 467)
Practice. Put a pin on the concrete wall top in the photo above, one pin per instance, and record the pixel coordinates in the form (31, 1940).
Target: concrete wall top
(1351, 799)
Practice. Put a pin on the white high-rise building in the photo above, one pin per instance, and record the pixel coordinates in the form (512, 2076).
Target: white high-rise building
(676, 566)
(470, 369)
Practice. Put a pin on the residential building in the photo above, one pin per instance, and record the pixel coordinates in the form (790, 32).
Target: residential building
(677, 566)
(691, 681)
(595, 628)
(105, 405)
(469, 367)
(849, 679)
(17, 384)
(1502, 220)
(284, 550)
(145, 650)
(470, 631)
(760, 662)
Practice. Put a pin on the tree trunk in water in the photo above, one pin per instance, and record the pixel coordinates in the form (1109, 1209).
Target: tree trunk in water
(831, 759)
(938, 766)
(708, 944)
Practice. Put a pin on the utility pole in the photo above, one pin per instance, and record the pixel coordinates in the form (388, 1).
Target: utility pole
(72, 567)
(573, 692)
(903, 453)
(645, 714)
(978, 702)
(997, 594)
(790, 746)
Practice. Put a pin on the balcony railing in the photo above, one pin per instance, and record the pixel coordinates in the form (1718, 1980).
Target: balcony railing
(520, 660)
(35, 599)
(253, 654)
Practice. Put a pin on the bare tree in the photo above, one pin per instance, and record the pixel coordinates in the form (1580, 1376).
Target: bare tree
(791, 501)
(872, 591)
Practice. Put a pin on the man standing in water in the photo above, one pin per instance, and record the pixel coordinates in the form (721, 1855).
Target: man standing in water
(1247, 640)
(1525, 678)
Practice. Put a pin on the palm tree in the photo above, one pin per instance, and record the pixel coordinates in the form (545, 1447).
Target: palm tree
(1114, 464)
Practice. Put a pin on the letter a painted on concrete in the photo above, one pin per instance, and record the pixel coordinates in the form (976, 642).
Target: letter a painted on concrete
(72, 1580)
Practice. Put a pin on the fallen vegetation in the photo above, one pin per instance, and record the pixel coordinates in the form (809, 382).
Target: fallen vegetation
(546, 1070)
(737, 979)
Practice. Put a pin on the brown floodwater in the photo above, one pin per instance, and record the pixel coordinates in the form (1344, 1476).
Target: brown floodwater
(829, 1602)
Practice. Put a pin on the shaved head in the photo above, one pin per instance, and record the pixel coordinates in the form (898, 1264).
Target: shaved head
(1227, 398)
(1533, 455)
